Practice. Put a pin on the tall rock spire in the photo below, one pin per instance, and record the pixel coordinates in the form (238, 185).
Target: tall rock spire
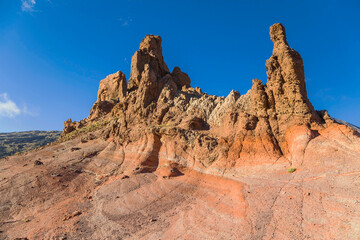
(150, 53)
(286, 87)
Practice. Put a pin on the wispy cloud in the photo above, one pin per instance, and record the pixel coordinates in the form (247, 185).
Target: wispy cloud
(125, 21)
(7, 107)
(32, 111)
(28, 5)
(10, 109)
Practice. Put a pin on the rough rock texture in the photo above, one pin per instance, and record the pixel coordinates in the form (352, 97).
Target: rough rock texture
(180, 78)
(286, 88)
(167, 161)
(150, 53)
(69, 126)
(113, 87)
(111, 90)
(100, 109)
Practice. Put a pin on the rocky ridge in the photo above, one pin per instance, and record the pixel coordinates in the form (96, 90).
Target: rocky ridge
(162, 106)
(159, 159)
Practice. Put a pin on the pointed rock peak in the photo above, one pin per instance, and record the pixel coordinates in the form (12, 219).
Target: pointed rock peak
(176, 69)
(286, 86)
(180, 78)
(151, 43)
(278, 34)
(233, 96)
(150, 53)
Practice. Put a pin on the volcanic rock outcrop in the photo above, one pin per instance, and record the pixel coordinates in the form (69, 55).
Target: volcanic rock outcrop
(159, 159)
(113, 87)
(286, 80)
(162, 109)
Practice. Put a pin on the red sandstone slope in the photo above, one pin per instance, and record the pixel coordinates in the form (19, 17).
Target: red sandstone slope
(157, 159)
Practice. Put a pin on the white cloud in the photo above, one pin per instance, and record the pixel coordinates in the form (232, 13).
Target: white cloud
(28, 5)
(7, 107)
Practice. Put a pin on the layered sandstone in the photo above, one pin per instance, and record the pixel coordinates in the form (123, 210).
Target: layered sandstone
(160, 159)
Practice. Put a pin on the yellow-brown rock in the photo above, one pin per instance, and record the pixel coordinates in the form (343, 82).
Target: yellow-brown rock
(286, 88)
(112, 88)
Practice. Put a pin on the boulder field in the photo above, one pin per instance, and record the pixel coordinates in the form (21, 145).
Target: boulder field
(159, 159)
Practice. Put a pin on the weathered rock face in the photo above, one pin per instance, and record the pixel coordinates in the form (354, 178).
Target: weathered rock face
(150, 54)
(68, 126)
(149, 74)
(113, 87)
(286, 88)
(157, 97)
(101, 109)
(256, 121)
(223, 157)
(180, 78)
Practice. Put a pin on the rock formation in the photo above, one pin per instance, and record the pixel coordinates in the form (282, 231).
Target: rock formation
(286, 88)
(181, 79)
(112, 88)
(160, 104)
(149, 56)
(161, 159)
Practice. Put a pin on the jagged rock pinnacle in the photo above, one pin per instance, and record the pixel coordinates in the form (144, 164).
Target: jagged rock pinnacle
(150, 53)
(286, 87)
(157, 97)
(152, 45)
(278, 34)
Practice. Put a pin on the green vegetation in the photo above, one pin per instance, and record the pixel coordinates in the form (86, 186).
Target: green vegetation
(163, 125)
(291, 170)
(90, 127)
(18, 142)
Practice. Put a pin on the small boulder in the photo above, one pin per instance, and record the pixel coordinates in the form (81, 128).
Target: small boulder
(71, 215)
(168, 171)
(38, 162)
(69, 126)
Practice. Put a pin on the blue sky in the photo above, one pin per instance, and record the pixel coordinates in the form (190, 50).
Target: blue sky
(53, 53)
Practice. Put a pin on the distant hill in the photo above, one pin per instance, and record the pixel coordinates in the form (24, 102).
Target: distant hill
(11, 143)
